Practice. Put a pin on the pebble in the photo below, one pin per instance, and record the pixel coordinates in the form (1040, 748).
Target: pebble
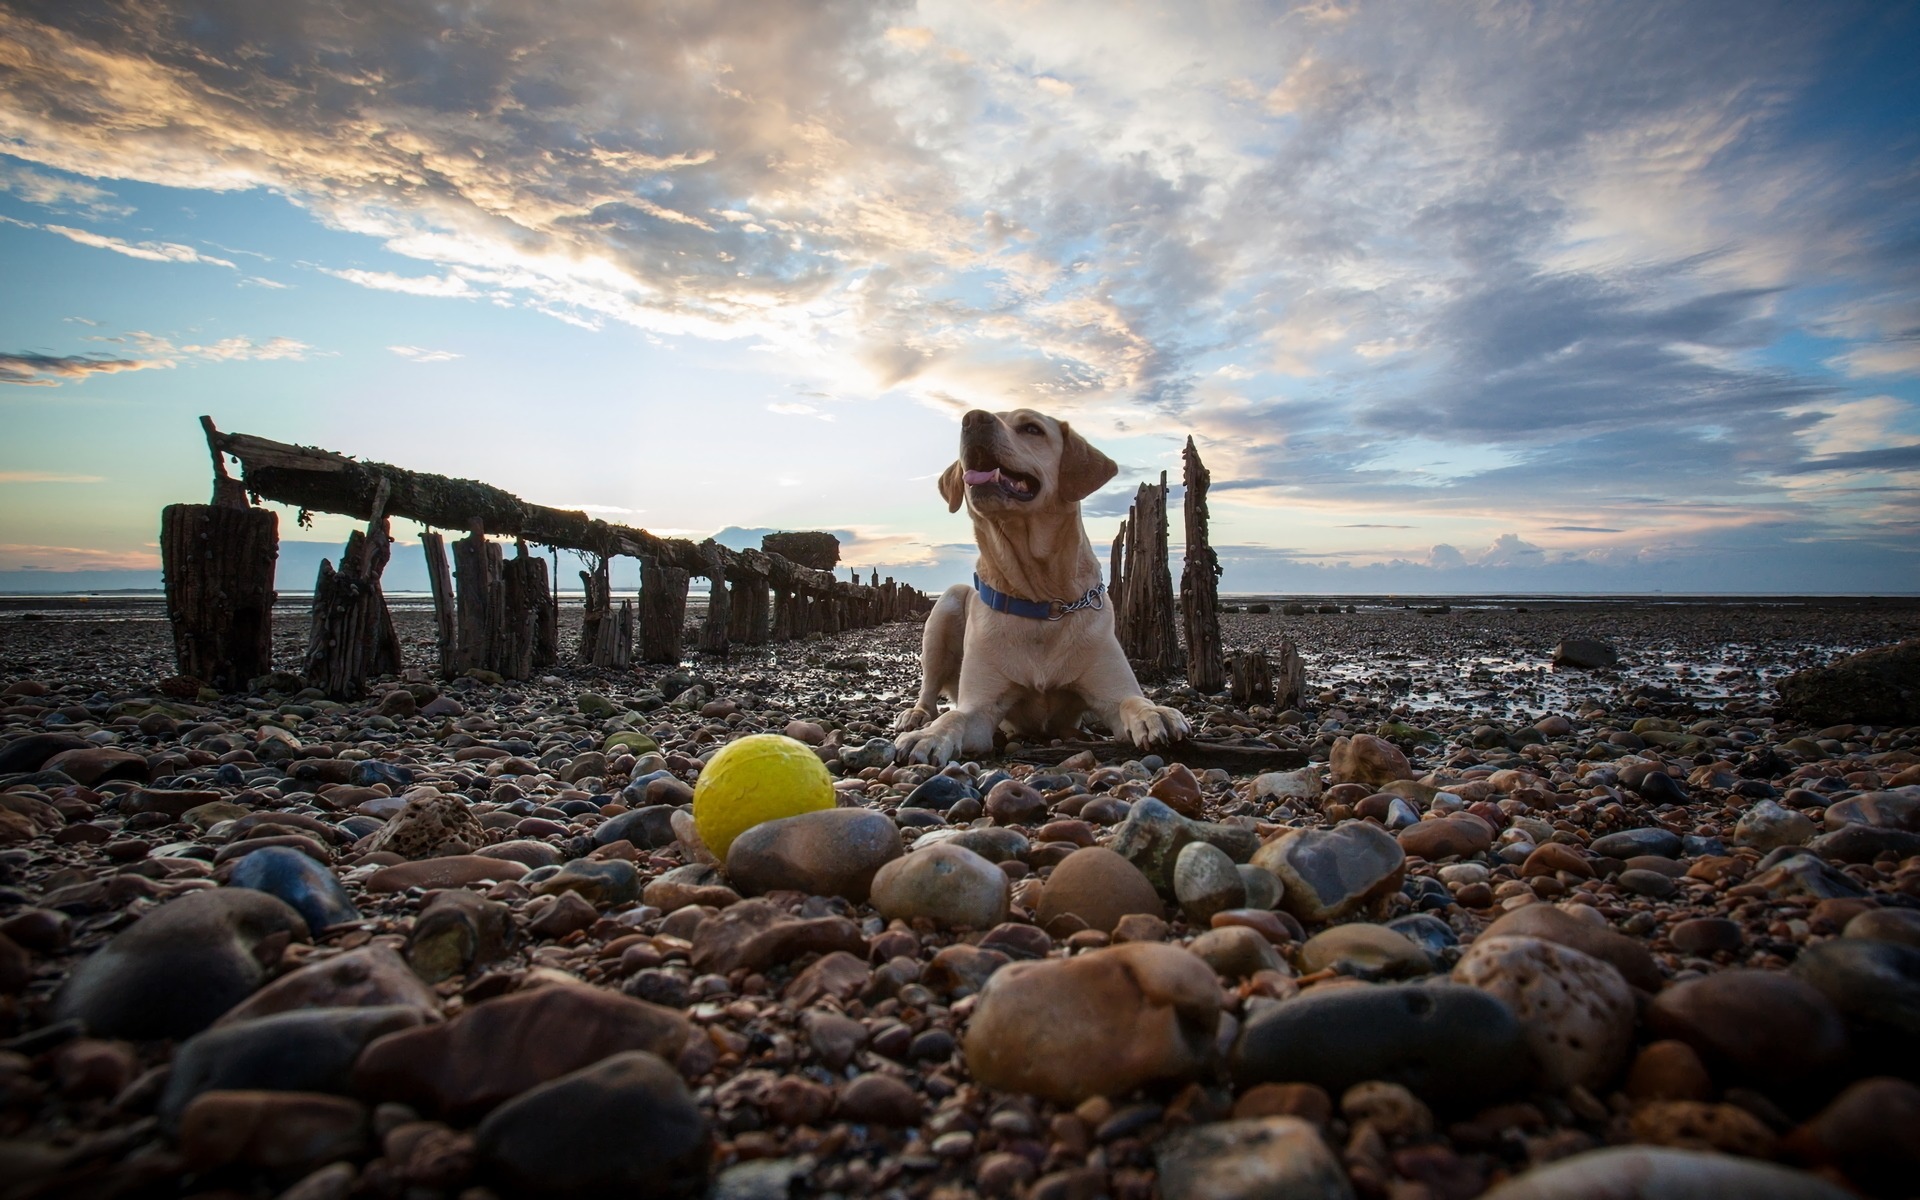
(1012, 802)
(1363, 950)
(1250, 1159)
(176, 970)
(1876, 986)
(1866, 1133)
(311, 889)
(494, 1051)
(1366, 759)
(1707, 936)
(1326, 874)
(1458, 836)
(624, 1125)
(1236, 952)
(1205, 881)
(1454, 1047)
(370, 976)
(1576, 1012)
(1627, 955)
(1668, 1070)
(601, 883)
(1769, 825)
(1632, 843)
(277, 1131)
(1099, 1024)
(1098, 888)
(1882, 924)
(951, 886)
(430, 824)
(311, 1050)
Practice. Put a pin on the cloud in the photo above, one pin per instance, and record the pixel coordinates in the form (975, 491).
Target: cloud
(47, 477)
(421, 354)
(20, 556)
(796, 409)
(410, 285)
(51, 370)
(58, 192)
(31, 369)
(146, 251)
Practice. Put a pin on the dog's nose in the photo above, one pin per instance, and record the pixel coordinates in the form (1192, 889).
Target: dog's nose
(976, 419)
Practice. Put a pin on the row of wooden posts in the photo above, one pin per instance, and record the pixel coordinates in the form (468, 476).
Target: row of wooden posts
(1141, 587)
(493, 612)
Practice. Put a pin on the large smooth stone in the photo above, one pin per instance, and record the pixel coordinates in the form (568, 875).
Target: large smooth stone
(1254, 1159)
(309, 887)
(1629, 956)
(1364, 758)
(1327, 873)
(1584, 654)
(1099, 1024)
(451, 871)
(829, 852)
(1895, 809)
(1762, 1028)
(371, 976)
(98, 764)
(1769, 825)
(625, 1126)
(283, 1132)
(950, 886)
(25, 754)
(499, 1048)
(1455, 1047)
(1099, 887)
(312, 1050)
(1866, 1132)
(1576, 1012)
(179, 967)
(1657, 1173)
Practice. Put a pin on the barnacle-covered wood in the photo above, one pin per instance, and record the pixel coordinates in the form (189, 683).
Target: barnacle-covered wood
(324, 481)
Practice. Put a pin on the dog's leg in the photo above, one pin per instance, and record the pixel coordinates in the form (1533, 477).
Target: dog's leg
(966, 729)
(1115, 698)
(940, 653)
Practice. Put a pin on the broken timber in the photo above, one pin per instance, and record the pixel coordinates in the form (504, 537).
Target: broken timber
(219, 564)
(1200, 582)
(1142, 588)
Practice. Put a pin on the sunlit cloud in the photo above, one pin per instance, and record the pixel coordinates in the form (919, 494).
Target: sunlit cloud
(51, 370)
(421, 354)
(145, 251)
(47, 477)
(17, 556)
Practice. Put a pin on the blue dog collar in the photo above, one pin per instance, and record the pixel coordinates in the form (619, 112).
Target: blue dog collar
(1038, 610)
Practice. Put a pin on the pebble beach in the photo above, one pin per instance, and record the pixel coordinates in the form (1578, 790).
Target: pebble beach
(1515, 927)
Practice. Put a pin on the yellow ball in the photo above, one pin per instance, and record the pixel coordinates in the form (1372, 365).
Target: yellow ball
(761, 777)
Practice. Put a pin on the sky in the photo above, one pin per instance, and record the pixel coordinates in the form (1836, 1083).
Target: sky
(1452, 297)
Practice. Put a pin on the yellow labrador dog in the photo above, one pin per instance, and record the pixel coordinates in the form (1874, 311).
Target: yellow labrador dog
(1030, 647)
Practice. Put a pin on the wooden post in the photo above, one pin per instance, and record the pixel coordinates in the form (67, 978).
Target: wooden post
(663, 611)
(352, 638)
(782, 602)
(440, 580)
(1290, 675)
(1144, 603)
(1200, 581)
(716, 630)
(218, 563)
(1252, 676)
(481, 595)
(759, 612)
(527, 642)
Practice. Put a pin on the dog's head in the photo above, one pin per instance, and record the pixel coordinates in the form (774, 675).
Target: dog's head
(1021, 461)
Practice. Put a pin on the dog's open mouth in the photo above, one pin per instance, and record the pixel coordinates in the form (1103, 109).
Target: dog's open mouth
(1014, 485)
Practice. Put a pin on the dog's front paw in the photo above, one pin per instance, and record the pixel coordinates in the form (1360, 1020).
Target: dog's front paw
(938, 744)
(912, 718)
(1146, 724)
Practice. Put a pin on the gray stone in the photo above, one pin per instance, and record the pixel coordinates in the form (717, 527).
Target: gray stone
(1367, 951)
(1769, 825)
(1875, 985)
(1206, 881)
(1877, 687)
(1454, 1047)
(609, 882)
(1585, 654)
(182, 965)
(650, 827)
(1263, 886)
(1153, 835)
(951, 886)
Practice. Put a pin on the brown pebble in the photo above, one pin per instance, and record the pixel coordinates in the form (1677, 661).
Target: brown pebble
(879, 1100)
(1304, 1100)
(1668, 1070)
(1706, 936)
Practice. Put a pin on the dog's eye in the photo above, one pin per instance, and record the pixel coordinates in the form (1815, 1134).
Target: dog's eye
(1031, 429)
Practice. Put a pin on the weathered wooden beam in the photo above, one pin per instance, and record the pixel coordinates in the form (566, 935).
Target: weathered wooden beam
(440, 580)
(218, 563)
(663, 611)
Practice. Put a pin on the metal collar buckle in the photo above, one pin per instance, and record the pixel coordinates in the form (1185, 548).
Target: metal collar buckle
(1057, 609)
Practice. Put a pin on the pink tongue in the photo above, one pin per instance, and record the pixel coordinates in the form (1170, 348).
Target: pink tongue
(974, 477)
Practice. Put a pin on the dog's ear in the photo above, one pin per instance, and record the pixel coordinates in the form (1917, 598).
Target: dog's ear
(953, 486)
(1083, 470)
